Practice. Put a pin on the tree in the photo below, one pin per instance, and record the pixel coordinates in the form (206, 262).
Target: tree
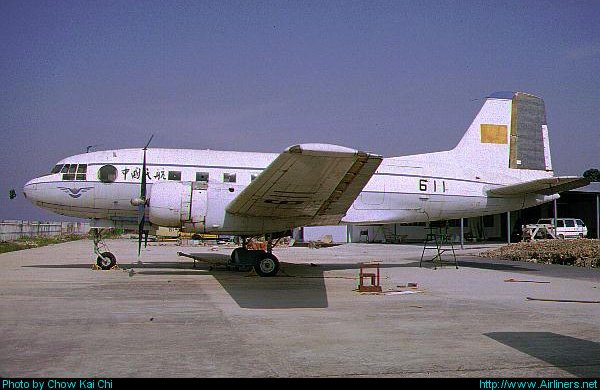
(592, 174)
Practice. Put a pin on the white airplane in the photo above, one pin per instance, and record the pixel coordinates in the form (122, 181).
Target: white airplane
(501, 164)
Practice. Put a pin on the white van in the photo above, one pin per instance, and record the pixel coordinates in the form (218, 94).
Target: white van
(566, 227)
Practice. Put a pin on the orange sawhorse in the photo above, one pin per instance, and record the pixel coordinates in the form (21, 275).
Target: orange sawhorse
(374, 276)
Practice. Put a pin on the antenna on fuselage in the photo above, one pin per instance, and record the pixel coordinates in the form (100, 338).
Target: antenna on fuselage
(87, 149)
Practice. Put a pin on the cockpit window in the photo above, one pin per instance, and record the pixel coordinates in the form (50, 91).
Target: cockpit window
(81, 172)
(56, 168)
(107, 174)
(72, 171)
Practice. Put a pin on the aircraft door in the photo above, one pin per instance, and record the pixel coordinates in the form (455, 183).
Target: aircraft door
(194, 204)
(199, 201)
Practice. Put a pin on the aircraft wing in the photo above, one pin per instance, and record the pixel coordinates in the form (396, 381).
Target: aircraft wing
(546, 186)
(314, 182)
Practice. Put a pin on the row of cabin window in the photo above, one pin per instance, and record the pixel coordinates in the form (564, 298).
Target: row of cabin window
(203, 176)
(78, 172)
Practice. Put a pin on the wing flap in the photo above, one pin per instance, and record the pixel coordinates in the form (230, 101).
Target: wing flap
(318, 182)
(545, 186)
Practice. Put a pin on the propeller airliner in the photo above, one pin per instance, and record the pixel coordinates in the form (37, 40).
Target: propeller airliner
(501, 164)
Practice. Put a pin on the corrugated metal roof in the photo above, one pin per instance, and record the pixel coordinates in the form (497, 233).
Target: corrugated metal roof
(592, 187)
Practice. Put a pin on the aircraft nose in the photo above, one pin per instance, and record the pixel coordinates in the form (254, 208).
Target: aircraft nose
(30, 189)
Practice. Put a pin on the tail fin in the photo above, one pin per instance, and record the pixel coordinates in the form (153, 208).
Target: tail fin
(509, 132)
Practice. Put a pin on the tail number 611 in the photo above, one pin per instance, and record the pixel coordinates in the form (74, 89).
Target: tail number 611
(438, 185)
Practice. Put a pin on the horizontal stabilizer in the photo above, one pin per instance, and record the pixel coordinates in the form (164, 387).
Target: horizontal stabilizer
(546, 186)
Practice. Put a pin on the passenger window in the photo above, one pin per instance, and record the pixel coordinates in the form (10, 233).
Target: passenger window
(229, 178)
(560, 223)
(253, 176)
(570, 223)
(201, 176)
(73, 168)
(107, 174)
(174, 175)
(56, 168)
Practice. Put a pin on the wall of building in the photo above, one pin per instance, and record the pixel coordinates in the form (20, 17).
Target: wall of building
(14, 230)
(576, 204)
(338, 233)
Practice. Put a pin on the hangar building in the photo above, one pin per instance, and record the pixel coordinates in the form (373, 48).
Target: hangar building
(582, 203)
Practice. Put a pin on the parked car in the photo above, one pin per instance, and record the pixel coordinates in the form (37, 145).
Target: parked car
(566, 227)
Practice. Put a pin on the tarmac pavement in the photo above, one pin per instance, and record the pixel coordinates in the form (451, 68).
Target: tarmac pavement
(159, 317)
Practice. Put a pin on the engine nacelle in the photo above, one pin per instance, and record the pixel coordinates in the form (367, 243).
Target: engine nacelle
(175, 203)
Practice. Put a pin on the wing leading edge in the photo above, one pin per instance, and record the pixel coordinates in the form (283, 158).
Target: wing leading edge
(545, 186)
(311, 182)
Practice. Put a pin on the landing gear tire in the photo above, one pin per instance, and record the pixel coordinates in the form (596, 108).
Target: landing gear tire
(106, 261)
(268, 265)
(237, 254)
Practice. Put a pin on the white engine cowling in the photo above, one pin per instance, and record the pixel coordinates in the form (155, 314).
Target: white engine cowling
(175, 203)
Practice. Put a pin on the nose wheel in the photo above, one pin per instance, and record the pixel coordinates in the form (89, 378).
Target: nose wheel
(105, 259)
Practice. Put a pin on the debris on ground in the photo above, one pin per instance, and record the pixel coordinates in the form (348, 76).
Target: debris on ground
(579, 253)
(561, 300)
(402, 292)
(525, 281)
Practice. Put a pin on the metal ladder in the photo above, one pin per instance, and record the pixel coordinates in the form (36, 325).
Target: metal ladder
(439, 236)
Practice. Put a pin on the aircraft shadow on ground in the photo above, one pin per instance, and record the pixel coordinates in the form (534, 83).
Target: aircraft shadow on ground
(296, 285)
(577, 356)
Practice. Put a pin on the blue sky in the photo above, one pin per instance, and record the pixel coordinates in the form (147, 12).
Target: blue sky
(394, 78)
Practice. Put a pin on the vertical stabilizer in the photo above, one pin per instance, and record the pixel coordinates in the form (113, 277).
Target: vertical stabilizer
(529, 134)
(509, 132)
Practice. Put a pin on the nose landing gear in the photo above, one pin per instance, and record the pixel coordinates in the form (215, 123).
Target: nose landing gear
(105, 260)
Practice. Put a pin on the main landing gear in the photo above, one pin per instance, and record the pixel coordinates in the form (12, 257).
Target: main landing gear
(264, 262)
(105, 259)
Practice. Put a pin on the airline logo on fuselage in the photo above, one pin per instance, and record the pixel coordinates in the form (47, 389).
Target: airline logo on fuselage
(75, 192)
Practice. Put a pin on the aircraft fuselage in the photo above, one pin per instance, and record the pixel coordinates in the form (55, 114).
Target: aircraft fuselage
(415, 188)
